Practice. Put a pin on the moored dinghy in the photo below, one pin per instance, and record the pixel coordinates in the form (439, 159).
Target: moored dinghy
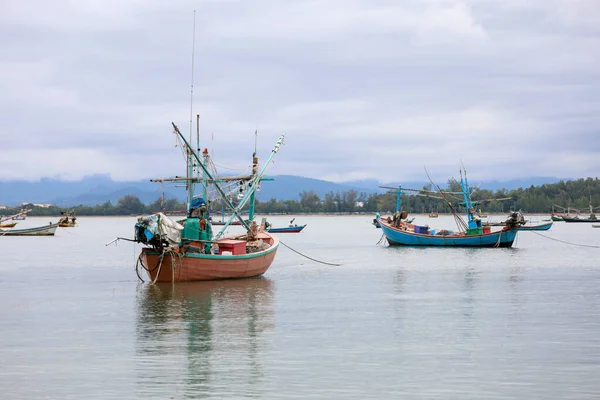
(44, 230)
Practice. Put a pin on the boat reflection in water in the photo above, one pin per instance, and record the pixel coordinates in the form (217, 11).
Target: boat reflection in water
(205, 337)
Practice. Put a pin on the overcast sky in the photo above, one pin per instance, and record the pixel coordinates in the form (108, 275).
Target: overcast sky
(362, 88)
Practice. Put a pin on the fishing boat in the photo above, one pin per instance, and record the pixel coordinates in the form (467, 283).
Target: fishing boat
(566, 212)
(539, 227)
(293, 228)
(223, 222)
(14, 217)
(8, 225)
(433, 214)
(470, 233)
(189, 251)
(592, 218)
(45, 230)
(67, 219)
(595, 225)
(288, 229)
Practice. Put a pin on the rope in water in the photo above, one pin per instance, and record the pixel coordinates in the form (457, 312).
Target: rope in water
(562, 241)
(310, 258)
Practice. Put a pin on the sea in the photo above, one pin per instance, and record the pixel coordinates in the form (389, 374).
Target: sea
(339, 315)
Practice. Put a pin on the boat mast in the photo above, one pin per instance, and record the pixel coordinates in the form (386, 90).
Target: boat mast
(251, 188)
(204, 161)
(464, 183)
(190, 163)
(398, 199)
(252, 196)
(209, 176)
(254, 172)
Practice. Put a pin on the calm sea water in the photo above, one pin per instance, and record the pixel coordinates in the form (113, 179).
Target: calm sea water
(416, 323)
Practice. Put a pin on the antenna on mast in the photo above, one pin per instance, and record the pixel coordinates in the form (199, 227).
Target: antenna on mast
(255, 139)
(192, 84)
(190, 169)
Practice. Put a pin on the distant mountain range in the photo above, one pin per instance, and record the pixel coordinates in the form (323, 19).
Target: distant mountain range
(99, 189)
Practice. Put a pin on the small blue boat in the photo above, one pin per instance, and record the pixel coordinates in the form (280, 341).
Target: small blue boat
(540, 227)
(293, 228)
(288, 229)
(470, 234)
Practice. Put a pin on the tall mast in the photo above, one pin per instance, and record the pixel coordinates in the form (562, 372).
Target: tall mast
(190, 166)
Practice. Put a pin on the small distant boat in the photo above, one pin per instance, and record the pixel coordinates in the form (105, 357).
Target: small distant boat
(576, 219)
(591, 218)
(491, 223)
(224, 222)
(595, 225)
(15, 217)
(433, 214)
(47, 230)
(67, 220)
(288, 229)
(8, 225)
(540, 227)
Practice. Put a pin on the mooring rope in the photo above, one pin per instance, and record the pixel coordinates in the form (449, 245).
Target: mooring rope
(562, 241)
(310, 258)
(380, 239)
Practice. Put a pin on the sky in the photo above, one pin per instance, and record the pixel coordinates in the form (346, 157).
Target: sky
(363, 89)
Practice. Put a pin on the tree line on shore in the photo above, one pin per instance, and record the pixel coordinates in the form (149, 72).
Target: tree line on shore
(576, 195)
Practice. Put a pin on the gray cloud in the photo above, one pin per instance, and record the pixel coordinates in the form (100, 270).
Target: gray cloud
(363, 88)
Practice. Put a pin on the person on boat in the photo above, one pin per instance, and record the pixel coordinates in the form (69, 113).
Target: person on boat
(292, 222)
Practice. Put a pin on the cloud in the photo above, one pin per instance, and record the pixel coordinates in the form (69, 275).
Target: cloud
(363, 88)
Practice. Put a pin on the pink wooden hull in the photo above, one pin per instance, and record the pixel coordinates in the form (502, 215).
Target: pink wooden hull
(189, 267)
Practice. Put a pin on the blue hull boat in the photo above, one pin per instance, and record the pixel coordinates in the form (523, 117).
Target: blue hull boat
(471, 232)
(400, 237)
(540, 227)
(289, 229)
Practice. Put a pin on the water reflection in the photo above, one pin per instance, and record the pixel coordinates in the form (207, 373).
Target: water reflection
(199, 338)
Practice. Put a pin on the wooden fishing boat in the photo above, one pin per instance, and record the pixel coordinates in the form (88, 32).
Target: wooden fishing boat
(8, 225)
(540, 227)
(14, 217)
(471, 233)
(189, 251)
(591, 219)
(433, 214)
(230, 258)
(67, 220)
(287, 229)
(583, 220)
(45, 230)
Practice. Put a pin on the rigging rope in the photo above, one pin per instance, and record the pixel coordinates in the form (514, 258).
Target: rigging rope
(304, 255)
(562, 241)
